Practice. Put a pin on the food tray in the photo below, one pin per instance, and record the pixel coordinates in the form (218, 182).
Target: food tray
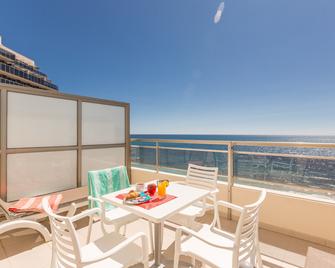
(138, 200)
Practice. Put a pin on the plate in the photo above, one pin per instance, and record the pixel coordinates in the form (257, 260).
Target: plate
(138, 200)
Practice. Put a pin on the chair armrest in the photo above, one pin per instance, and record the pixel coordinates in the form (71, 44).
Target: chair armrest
(230, 205)
(72, 210)
(119, 247)
(91, 198)
(86, 213)
(18, 224)
(223, 233)
(98, 200)
(188, 231)
(215, 191)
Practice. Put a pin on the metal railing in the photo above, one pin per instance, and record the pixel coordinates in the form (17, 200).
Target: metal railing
(316, 153)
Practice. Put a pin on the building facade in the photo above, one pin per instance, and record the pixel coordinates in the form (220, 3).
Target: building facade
(16, 69)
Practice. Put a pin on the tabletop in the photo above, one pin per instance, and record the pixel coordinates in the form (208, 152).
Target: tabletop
(185, 196)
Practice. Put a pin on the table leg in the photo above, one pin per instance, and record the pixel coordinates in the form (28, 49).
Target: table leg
(158, 243)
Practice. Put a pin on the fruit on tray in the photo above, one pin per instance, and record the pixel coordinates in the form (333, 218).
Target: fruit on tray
(132, 195)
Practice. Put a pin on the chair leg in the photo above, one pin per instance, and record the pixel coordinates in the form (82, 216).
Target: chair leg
(124, 229)
(151, 236)
(117, 228)
(253, 260)
(53, 256)
(177, 248)
(176, 260)
(217, 215)
(89, 231)
(162, 234)
(193, 261)
(53, 261)
(218, 221)
(145, 252)
(103, 228)
(146, 264)
(259, 263)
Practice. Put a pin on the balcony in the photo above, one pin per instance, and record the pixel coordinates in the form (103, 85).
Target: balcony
(298, 176)
(88, 134)
(30, 68)
(7, 54)
(16, 73)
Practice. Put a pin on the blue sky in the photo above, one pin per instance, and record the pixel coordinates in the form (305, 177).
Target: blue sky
(267, 68)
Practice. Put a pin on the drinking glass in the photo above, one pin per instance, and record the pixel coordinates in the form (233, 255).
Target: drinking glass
(151, 188)
(162, 188)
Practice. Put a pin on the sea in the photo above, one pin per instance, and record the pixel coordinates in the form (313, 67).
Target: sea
(297, 171)
(277, 138)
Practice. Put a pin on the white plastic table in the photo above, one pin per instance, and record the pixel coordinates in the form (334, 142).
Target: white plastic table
(185, 196)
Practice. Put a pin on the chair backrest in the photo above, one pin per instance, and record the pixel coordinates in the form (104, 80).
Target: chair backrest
(202, 176)
(65, 243)
(4, 209)
(246, 235)
(105, 181)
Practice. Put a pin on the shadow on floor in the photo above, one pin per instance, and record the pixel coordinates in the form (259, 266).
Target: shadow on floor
(278, 250)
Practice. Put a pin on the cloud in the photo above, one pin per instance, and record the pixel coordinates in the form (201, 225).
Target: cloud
(218, 13)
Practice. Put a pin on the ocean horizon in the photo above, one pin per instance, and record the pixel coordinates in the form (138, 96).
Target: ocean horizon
(239, 137)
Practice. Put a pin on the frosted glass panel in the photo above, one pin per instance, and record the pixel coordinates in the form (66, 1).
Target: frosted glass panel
(31, 174)
(94, 159)
(36, 121)
(102, 124)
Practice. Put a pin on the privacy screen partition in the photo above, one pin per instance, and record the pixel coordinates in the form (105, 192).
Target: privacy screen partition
(50, 140)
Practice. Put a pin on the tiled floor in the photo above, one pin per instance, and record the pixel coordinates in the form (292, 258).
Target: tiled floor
(25, 248)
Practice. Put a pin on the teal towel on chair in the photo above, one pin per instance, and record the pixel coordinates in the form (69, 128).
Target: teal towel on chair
(105, 181)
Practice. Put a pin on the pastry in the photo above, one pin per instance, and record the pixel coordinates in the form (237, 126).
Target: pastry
(132, 195)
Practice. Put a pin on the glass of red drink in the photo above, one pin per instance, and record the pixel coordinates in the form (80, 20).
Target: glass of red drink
(151, 188)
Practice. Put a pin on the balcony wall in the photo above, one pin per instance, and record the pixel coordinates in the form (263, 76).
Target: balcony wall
(290, 214)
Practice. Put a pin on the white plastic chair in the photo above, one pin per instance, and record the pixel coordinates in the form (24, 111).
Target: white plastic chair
(112, 250)
(218, 248)
(201, 177)
(116, 217)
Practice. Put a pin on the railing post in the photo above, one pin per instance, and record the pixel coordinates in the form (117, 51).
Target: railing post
(230, 177)
(79, 144)
(157, 157)
(3, 144)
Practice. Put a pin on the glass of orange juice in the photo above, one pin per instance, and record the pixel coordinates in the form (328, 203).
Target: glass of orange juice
(161, 188)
